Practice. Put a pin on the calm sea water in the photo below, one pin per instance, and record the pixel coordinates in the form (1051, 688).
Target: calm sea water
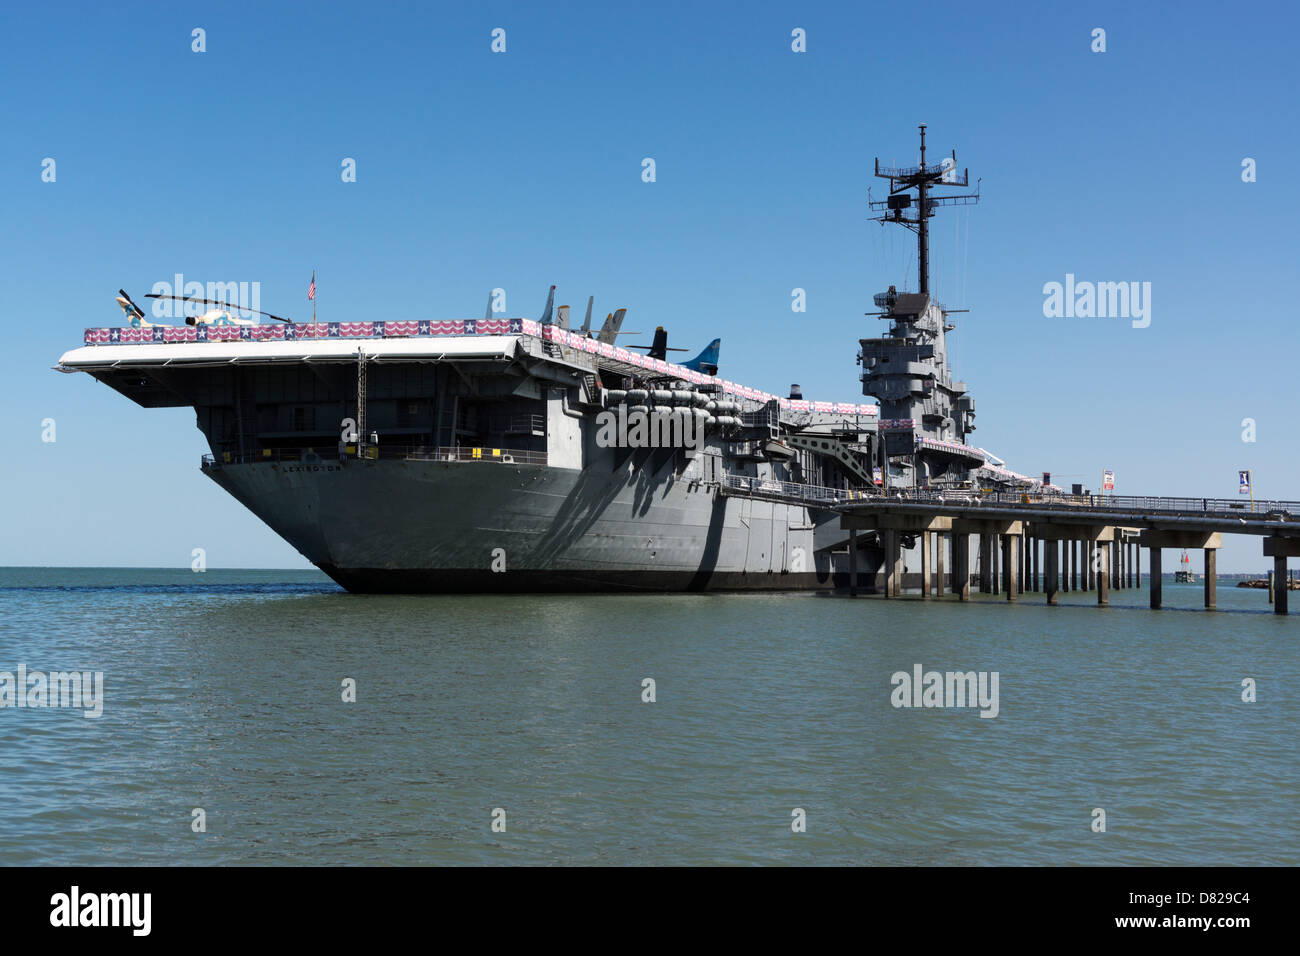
(223, 691)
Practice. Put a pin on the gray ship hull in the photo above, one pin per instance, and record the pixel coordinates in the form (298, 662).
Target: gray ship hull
(434, 526)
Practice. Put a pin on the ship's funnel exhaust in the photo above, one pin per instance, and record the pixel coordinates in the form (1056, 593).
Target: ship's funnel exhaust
(796, 393)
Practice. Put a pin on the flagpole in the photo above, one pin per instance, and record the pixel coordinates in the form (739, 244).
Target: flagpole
(313, 296)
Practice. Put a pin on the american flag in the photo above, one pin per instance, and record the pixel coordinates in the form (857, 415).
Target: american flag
(311, 289)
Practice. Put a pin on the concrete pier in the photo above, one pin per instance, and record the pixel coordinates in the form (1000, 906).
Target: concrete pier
(1083, 545)
(1076, 544)
(889, 529)
(988, 530)
(1156, 541)
(1279, 549)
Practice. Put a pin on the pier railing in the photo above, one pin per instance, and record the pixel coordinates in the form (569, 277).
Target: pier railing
(791, 491)
(818, 495)
(1211, 507)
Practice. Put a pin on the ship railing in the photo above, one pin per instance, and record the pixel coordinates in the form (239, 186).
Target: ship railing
(322, 455)
(309, 455)
(523, 424)
(509, 456)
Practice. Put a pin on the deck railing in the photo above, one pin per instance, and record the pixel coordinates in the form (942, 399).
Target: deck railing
(320, 455)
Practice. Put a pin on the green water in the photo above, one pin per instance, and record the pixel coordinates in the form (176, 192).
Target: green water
(223, 692)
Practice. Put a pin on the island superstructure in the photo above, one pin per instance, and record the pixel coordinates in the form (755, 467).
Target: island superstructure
(468, 454)
(926, 417)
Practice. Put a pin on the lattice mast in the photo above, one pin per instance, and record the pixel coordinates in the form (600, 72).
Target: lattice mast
(922, 178)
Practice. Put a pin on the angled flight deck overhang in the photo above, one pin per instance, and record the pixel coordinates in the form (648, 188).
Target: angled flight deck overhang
(171, 374)
(145, 363)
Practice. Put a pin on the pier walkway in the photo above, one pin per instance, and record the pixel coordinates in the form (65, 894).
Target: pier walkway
(1052, 542)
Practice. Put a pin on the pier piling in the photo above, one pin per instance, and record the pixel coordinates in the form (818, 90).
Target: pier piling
(995, 566)
(1103, 550)
(986, 561)
(853, 562)
(938, 563)
(1024, 563)
(961, 565)
(1011, 544)
(1279, 575)
(1051, 560)
(1155, 579)
(1279, 549)
(1157, 540)
(1080, 550)
(893, 560)
(925, 565)
(1211, 579)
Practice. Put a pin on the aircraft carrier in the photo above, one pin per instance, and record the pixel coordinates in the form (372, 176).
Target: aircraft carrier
(472, 455)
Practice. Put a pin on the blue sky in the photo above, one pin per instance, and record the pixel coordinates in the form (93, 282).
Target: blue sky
(477, 170)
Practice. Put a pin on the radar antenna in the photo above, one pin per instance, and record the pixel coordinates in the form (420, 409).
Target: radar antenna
(922, 178)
